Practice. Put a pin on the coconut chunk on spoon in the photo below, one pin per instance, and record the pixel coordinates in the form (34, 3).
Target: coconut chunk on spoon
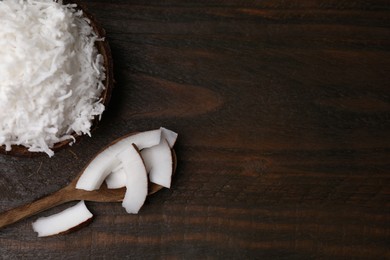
(169, 136)
(116, 179)
(159, 164)
(136, 179)
(103, 164)
(63, 221)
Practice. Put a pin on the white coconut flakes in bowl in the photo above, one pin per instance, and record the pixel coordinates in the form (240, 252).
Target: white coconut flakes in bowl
(52, 76)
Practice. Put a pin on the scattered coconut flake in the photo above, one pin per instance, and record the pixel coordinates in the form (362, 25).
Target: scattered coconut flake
(62, 221)
(136, 179)
(51, 74)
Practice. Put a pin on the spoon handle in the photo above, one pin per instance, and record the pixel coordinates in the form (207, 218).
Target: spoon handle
(16, 214)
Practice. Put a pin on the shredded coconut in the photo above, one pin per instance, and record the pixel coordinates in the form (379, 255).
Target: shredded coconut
(50, 74)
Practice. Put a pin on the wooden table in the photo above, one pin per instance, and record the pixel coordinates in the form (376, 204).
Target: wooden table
(283, 111)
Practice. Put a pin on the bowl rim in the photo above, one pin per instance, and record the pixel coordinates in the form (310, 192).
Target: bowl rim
(104, 49)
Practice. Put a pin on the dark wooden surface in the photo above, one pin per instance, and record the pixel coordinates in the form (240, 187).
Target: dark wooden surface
(283, 111)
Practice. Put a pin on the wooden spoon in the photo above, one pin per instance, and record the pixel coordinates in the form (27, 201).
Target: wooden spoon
(70, 193)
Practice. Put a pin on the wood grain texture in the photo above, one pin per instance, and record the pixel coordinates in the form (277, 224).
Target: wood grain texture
(283, 111)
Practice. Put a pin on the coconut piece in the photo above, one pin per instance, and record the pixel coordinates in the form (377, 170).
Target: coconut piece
(168, 135)
(63, 221)
(116, 179)
(103, 164)
(136, 179)
(153, 157)
(158, 163)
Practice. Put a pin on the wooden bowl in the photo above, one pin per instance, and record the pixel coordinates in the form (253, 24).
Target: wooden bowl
(104, 49)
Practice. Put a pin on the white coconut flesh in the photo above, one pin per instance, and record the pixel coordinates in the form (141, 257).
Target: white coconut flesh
(168, 135)
(51, 74)
(136, 179)
(116, 179)
(103, 164)
(63, 221)
(159, 164)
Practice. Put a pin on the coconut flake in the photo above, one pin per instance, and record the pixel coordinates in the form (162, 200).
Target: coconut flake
(62, 221)
(51, 74)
